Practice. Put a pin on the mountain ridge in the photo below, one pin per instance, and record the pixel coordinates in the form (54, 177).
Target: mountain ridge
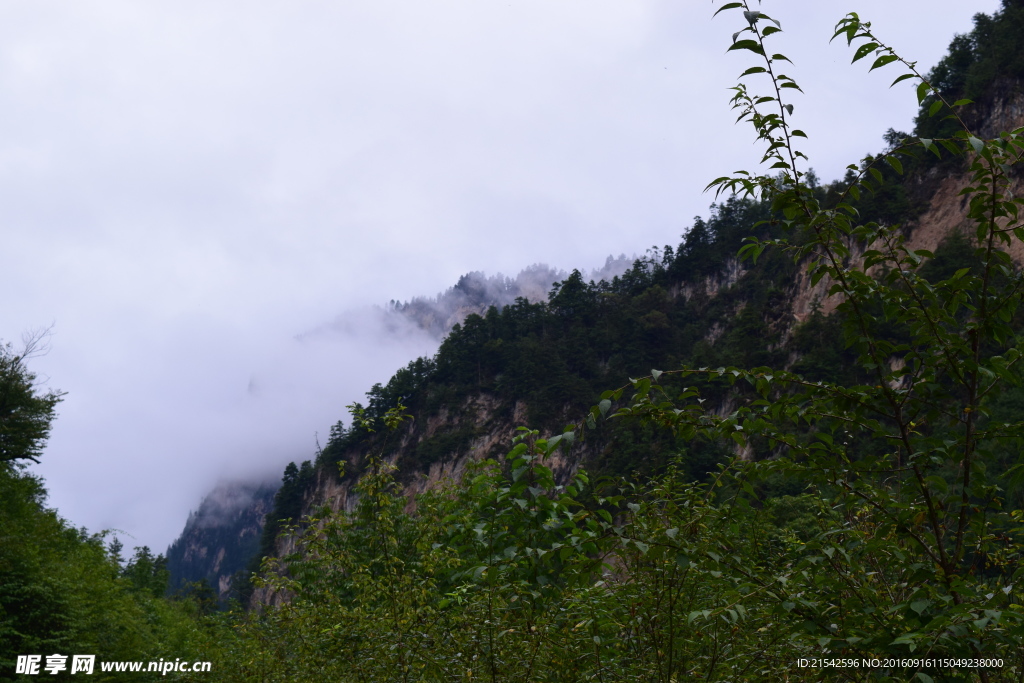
(938, 221)
(216, 552)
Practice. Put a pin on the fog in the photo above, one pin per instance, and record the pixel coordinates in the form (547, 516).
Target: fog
(188, 189)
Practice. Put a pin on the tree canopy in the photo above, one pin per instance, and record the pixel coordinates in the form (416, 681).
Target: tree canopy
(26, 411)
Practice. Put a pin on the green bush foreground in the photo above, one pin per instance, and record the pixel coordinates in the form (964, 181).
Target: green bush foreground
(896, 545)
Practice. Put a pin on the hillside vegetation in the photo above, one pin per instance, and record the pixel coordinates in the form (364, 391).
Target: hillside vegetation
(843, 483)
(793, 437)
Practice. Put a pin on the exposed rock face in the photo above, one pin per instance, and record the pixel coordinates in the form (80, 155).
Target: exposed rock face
(495, 430)
(946, 210)
(710, 286)
(221, 536)
(494, 425)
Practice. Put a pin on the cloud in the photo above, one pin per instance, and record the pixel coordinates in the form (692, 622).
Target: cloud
(186, 185)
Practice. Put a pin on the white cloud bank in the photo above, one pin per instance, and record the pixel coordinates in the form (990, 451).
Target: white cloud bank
(186, 185)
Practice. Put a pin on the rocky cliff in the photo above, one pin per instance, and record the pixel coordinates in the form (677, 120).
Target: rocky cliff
(452, 429)
(488, 424)
(221, 536)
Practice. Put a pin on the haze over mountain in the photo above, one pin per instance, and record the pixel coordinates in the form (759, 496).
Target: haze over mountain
(184, 186)
(223, 532)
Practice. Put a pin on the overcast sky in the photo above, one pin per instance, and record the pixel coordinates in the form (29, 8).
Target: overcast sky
(186, 186)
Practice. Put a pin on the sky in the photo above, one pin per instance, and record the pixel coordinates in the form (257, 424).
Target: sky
(187, 187)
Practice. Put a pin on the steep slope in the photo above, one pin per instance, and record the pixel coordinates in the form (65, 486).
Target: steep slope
(221, 536)
(543, 364)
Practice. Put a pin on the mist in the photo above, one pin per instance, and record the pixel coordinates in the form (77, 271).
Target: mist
(189, 189)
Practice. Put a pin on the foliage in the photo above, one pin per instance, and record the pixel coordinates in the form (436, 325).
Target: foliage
(25, 412)
(287, 509)
(505, 576)
(555, 357)
(220, 539)
(287, 503)
(862, 513)
(847, 489)
(63, 590)
(147, 574)
(974, 62)
(922, 556)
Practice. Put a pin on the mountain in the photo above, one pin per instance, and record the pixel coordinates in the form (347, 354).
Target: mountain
(476, 292)
(543, 362)
(221, 536)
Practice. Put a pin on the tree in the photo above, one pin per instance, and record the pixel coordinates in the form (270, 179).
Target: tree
(894, 439)
(916, 553)
(147, 573)
(26, 412)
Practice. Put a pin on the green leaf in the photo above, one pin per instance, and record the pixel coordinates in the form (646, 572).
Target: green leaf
(730, 5)
(951, 146)
(895, 163)
(960, 103)
(931, 146)
(863, 51)
(882, 61)
(920, 606)
(751, 45)
(902, 78)
(604, 405)
(977, 144)
(934, 109)
(924, 678)
(922, 91)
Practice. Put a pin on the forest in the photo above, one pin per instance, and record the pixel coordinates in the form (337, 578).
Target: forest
(705, 484)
